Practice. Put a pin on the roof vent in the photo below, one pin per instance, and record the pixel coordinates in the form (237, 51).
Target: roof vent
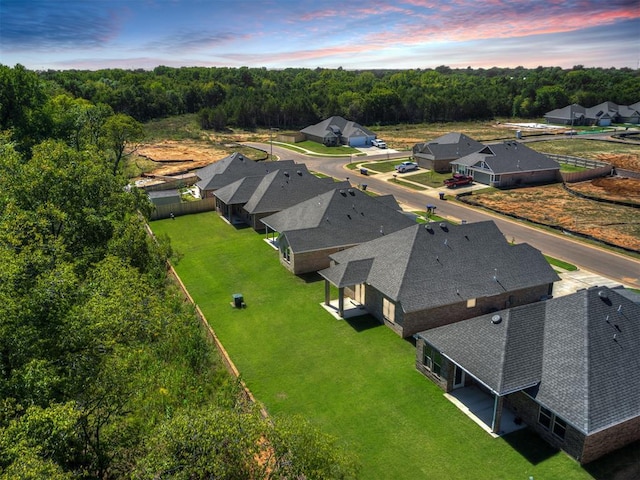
(428, 226)
(442, 225)
(603, 294)
(342, 192)
(286, 174)
(496, 319)
(351, 192)
(299, 172)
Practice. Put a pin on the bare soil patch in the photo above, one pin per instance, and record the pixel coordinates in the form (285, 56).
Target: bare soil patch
(625, 161)
(552, 205)
(174, 157)
(610, 188)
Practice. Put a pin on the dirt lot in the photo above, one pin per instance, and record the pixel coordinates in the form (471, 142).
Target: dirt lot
(552, 205)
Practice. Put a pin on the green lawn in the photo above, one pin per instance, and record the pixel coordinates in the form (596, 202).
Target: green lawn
(355, 380)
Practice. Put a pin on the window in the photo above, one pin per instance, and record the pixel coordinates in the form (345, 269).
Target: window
(286, 253)
(559, 427)
(550, 421)
(432, 359)
(544, 417)
(471, 303)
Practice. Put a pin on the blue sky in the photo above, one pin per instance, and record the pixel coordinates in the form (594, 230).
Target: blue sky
(354, 34)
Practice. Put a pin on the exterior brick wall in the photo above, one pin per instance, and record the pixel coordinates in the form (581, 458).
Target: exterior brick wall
(606, 441)
(415, 322)
(309, 261)
(445, 381)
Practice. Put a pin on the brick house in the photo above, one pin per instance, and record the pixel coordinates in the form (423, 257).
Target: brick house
(249, 199)
(425, 276)
(335, 131)
(437, 154)
(508, 164)
(310, 231)
(567, 367)
(231, 168)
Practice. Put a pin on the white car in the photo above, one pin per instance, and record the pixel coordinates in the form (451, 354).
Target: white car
(406, 167)
(378, 143)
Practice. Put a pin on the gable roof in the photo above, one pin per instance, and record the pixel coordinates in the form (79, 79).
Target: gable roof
(238, 192)
(340, 217)
(450, 146)
(281, 189)
(584, 346)
(508, 157)
(573, 111)
(428, 266)
(235, 167)
(338, 126)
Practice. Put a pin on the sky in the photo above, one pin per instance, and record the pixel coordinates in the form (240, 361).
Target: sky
(352, 34)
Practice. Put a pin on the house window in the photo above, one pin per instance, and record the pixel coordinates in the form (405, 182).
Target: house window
(559, 427)
(544, 417)
(432, 359)
(286, 254)
(550, 421)
(471, 303)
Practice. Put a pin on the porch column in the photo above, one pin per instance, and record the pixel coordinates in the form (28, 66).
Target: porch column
(341, 301)
(327, 292)
(497, 413)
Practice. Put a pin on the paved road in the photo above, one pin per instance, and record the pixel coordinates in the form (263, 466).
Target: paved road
(602, 262)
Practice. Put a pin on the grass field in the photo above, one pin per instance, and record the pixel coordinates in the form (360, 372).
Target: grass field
(355, 380)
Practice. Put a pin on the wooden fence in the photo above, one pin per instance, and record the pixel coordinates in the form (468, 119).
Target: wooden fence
(183, 208)
(595, 168)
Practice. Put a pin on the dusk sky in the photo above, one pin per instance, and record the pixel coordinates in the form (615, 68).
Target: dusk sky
(354, 34)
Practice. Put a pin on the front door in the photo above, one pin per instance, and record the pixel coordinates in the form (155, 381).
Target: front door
(458, 377)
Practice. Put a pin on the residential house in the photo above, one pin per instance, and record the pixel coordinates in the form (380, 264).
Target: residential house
(425, 276)
(335, 131)
(567, 367)
(310, 231)
(508, 164)
(232, 168)
(437, 154)
(572, 115)
(603, 114)
(253, 198)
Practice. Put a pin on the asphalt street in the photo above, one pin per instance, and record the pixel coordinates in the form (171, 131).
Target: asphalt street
(621, 268)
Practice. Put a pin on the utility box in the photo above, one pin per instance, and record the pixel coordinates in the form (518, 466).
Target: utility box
(238, 300)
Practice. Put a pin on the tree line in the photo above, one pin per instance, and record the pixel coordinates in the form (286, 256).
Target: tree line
(105, 372)
(294, 97)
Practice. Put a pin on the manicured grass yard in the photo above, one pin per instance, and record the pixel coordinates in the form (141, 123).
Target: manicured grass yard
(355, 380)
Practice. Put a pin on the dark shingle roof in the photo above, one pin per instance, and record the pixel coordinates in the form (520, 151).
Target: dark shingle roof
(584, 346)
(450, 146)
(340, 217)
(502, 353)
(508, 157)
(338, 125)
(234, 167)
(284, 188)
(238, 192)
(424, 268)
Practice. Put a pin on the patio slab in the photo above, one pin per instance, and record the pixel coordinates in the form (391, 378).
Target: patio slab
(478, 406)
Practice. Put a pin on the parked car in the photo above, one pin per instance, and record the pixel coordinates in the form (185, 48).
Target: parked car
(378, 143)
(458, 179)
(406, 167)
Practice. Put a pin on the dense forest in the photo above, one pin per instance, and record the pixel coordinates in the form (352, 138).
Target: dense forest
(105, 371)
(294, 98)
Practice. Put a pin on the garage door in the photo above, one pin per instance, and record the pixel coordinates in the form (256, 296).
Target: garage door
(481, 177)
